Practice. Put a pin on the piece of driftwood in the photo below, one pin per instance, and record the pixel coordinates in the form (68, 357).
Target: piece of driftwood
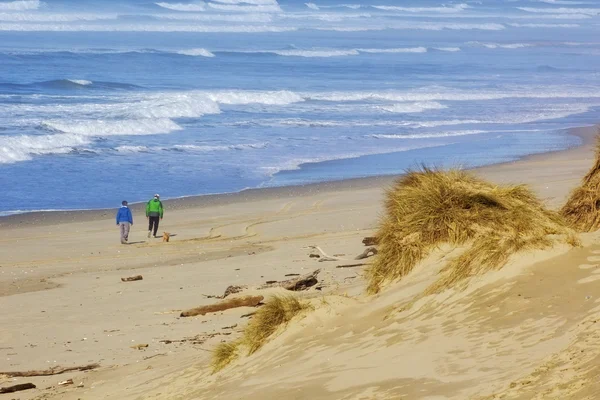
(351, 265)
(132, 278)
(371, 251)
(52, 371)
(65, 383)
(371, 241)
(246, 301)
(296, 284)
(324, 256)
(139, 346)
(232, 289)
(17, 388)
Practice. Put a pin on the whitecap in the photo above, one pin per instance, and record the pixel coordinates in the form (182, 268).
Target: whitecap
(407, 108)
(200, 6)
(22, 148)
(81, 82)
(428, 135)
(102, 128)
(20, 5)
(396, 50)
(196, 52)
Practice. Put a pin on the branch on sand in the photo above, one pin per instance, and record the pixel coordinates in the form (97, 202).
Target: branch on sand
(132, 278)
(324, 256)
(351, 265)
(296, 284)
(17, 388)
(246, 301)
(51, 371)
(371, 251)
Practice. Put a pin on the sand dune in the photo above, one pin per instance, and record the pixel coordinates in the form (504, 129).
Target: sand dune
(527, 331)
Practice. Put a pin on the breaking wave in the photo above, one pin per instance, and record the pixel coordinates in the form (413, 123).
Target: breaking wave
(196, 53)
(20, 5)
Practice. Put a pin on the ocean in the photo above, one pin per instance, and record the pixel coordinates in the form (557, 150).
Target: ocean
(112, 100)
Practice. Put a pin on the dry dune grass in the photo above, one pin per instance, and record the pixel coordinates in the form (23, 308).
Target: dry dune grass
(277, 311)
(429, 207)
(582, 210)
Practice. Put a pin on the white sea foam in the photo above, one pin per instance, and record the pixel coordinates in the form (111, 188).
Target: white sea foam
(312, 6)
(132, 149)
(20, 5)
(428, 135)
(562, 10)
(270, 8)
(396, 50)
(199, 6)
(81, 82)
(252, 2)
(314, 53)
(407, 108)
(52, 17)
(501, 45)
(244, 18)
(142, 28)
(102, 128)
(448, 49)
(211, 148)
(281, 97)
(448, 9)
(427, 26)
(196, 52)
(22, 148)
(544, 25)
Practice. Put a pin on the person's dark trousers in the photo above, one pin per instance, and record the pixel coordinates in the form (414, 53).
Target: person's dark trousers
(153, 222)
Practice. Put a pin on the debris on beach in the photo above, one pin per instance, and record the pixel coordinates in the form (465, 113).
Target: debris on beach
(132, 278)
(246, 301)
(17, 388)
(51, 371)
(371, 251)
(65, 383)
(139, 346)
(370, 241)
(295, 284)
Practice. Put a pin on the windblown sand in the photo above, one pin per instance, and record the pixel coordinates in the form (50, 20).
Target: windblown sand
(528, 331)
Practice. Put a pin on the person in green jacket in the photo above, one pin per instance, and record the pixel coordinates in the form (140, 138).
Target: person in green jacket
(154, 213)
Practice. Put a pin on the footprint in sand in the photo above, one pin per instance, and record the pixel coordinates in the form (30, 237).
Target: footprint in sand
(596, 252)
(588, 266)
(589, 279)
(593, 258)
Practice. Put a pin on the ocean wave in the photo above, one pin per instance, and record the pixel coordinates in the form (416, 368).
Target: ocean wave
(396, 50)
(196, 52)
(427, 26)
(270, 8)
(281, 97)
(194, 7)
(448, 49)
(544, 25)
(20, 5)
(143, 28)
(412, 107)
(132, 149)
(211, 148)
(313, 53)
(501, 45)
(562, 10)
(101, 128)
(48, 17)
(22, 148)
(245, 18)
(448, 9)
(428, 135)
(314, 6)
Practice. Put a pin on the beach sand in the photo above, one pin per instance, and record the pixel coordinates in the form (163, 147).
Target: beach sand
(528, 331)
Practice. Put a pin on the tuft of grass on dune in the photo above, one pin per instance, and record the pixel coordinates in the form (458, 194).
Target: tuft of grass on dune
(429, 207)
(277, 311)
(224, 354)
(582, 209)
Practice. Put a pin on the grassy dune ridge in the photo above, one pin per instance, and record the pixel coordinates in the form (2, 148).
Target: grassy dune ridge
(430, 207)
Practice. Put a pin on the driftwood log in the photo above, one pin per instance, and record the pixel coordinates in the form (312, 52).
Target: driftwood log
(300, 283)
(17, 388)
(371, 251)
(132, 278)
(52, 371)
(232, 289)
(246, 301)
(371, 241)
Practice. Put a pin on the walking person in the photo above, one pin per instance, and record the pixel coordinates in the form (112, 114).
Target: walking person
(154, 213)
(124, 221)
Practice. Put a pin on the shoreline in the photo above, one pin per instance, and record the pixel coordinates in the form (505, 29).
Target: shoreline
(45, 217)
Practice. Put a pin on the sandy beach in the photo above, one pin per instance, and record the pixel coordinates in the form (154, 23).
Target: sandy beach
(528, 331)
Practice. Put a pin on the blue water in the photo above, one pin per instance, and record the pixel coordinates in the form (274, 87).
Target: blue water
(104, 101)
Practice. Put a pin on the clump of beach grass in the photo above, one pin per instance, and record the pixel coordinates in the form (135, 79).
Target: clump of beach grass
(224, 354)
(276, 312)
(429, 207)
(582, 209)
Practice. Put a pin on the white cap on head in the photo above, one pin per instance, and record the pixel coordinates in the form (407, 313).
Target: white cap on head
(156, 195)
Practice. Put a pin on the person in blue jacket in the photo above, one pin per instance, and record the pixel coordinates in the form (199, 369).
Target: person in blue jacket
(124, 221)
